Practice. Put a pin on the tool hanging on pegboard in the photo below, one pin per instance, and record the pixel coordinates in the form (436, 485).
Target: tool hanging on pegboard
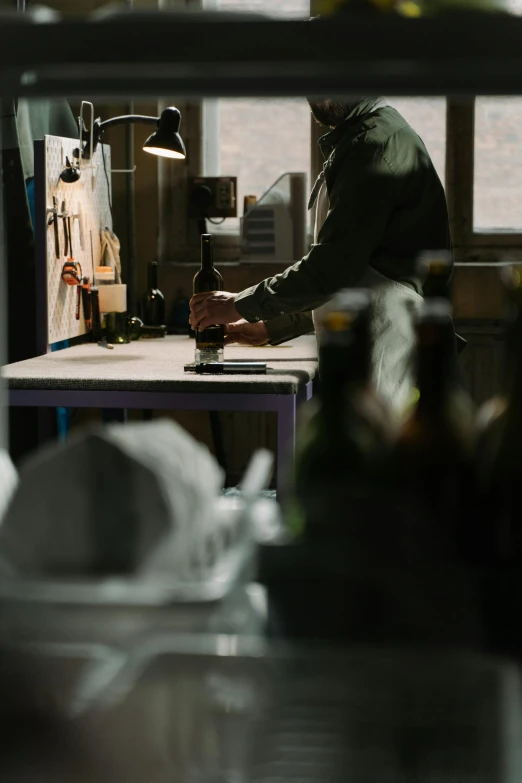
(63, 215)
(67, 250)
(78, 302)
(72, 269)
(72, 273)
(53, 221)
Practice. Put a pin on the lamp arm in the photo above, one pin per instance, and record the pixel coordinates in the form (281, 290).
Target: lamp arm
(99, 127)
(126, 119)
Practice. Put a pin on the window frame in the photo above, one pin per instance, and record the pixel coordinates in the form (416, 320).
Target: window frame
(470, 244)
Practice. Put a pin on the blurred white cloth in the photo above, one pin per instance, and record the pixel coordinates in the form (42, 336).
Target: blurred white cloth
(8, 481)
(110, 252)
(134, 500)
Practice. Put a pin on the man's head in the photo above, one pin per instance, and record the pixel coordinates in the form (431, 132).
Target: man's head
(331, 111)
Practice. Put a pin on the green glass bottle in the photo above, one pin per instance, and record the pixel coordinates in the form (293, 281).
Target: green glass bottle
(210, 342)
(343, 440)
(433, 458)
(500, 440)
(153, 303)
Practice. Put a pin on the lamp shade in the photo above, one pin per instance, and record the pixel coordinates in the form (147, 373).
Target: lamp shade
(166, 141)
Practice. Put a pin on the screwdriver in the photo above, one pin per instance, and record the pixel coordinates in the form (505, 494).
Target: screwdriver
(86, 301)
(64, 217)
(54, 220)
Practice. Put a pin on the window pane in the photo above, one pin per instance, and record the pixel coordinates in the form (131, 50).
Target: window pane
(258, 140)
(498, 164)
(427, 116)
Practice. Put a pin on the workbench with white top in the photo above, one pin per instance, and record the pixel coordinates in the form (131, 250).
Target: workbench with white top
(149, 375)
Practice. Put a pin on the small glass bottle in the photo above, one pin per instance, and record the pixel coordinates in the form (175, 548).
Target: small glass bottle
(153, 303)
(210, 342)
(344, 439)
(433, 455)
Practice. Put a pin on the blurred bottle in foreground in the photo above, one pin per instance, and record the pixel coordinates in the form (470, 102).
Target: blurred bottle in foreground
(342, 444)
(500, 440)
(411, 8)
(434, 452)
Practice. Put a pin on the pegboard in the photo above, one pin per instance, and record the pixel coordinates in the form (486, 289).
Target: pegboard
(88, 200)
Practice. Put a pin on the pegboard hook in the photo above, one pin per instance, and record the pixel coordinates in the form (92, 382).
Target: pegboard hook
(92, 165)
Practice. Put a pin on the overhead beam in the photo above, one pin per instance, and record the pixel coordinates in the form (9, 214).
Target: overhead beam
(193, 55)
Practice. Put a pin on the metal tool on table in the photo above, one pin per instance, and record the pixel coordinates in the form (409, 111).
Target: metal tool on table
(227, 368)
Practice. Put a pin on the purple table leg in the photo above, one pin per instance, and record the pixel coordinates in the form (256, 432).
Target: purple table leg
(285, 405)
(286, 430)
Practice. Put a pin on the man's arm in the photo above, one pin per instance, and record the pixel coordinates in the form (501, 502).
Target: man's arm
(274, 332)
(361, 203)
(287, 327)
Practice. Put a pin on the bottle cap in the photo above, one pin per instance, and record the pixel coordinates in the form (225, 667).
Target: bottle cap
(345, 318)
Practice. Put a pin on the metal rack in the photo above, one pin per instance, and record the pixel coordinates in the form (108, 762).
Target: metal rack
(187, 54)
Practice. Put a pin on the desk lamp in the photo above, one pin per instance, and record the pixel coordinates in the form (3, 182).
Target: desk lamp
(164, 142)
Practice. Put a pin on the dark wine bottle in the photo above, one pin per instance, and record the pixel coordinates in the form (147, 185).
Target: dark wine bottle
(500, 440)
(210, 341)
(344, 441)
(153, 303)
(433, 458)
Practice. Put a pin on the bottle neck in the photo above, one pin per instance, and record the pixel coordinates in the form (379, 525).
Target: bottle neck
(153, 275)
(207, 255)
(437, 372)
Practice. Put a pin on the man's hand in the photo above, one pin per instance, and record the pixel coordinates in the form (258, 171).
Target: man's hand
(245, 333)
(217, 307)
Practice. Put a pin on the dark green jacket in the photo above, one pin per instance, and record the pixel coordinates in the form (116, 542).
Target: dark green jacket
(387, 204)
